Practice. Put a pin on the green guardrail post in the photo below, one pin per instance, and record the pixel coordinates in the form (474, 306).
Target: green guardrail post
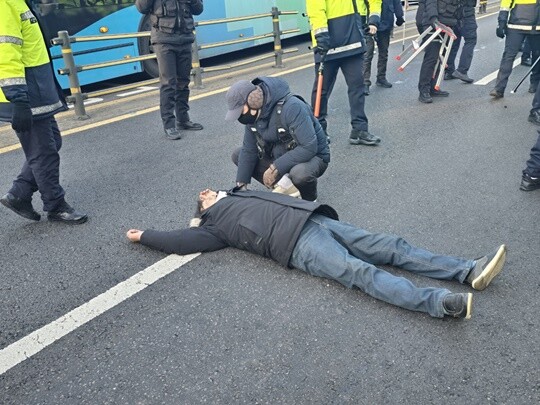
(74, 86)
(278, 52)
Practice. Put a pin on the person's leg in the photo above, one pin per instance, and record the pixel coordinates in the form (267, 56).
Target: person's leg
(318, 253)
(512, 45)
(533, 164)
(427, 70)
(331, 68)
(469, 33)
(304, 177)
(383, 42)
(534, 43)
(183, 74)
(166, 57)
(351, 68)
(261, 167)
(42, 167)
(451, 62)
(380, 248)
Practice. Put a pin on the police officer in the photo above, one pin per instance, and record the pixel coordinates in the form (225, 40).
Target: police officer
(517, 20)
(430, 12)
(390, 8)
(465, 28)
(172, 36)
(29, 98)
(282, 138)
(338, 37)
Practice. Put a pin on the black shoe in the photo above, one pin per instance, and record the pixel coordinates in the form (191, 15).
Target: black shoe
(496, 94)
(358, 137)
(67, 215)
(458, 305)
(21, 207)
(189, 126)
(526, 61)
(448, 76)
(425, 97)
(486, 268)
(534, 116)
(173, 134)
(438, 93)
(462, 76)
(533, 87)
(366, 90)
(383, 83)
(529, 183)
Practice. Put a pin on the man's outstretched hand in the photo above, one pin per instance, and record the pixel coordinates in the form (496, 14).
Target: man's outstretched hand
(134, 235)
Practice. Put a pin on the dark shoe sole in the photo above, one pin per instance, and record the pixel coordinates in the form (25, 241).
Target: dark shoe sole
(496, 95)
(493, 268)
(364, 142)
(526, 186)
(386, 86)
(29, 216)
(74, 222)
(469, 306)
(531, 119)
(425, 100)
(180, 127)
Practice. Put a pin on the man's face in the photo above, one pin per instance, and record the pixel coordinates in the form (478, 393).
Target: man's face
(208, 198)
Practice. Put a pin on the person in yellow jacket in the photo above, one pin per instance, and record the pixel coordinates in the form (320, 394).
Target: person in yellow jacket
(338, 29)
(518, 19)
(29, 98)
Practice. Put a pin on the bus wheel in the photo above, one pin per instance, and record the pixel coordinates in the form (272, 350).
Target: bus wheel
(150, 66)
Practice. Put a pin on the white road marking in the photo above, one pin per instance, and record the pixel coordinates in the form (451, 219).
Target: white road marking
(38, 340)
(492, 76)
(141, 89)
(88, 101)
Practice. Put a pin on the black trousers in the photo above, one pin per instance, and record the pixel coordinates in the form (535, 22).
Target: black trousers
(303, 176)
(352, 69)
(533, 164)
(426, 81)
(41, 170)
(174, 62)
(383, 41)
(512, 45)
(465, 29)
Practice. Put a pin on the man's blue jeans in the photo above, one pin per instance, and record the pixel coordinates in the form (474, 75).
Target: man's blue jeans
(349, 255)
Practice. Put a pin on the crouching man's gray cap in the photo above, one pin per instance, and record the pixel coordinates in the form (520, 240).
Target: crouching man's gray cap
(236, 98)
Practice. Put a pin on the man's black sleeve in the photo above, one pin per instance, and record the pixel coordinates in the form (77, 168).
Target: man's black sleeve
(182, 242)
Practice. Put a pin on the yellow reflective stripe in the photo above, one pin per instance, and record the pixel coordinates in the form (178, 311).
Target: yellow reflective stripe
(46, 108)
(9, 39)
(523, 27)
(27, 15)
(12, 81)
(345, 48)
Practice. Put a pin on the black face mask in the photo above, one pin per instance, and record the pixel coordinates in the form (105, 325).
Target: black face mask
(248, 118)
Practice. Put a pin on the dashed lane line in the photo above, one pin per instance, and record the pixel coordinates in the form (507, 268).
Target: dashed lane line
(38, 340)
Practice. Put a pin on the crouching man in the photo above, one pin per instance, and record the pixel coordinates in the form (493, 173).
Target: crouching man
(282, 138)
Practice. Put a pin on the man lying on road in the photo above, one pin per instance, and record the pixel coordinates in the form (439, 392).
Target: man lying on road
(308, 236)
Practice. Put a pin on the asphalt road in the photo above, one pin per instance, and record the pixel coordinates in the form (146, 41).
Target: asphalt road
(230, 327)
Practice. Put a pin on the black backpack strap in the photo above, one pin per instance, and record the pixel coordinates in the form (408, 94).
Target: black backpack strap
(284, 135)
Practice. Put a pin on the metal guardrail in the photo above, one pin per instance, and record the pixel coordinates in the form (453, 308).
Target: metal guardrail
(71, 69)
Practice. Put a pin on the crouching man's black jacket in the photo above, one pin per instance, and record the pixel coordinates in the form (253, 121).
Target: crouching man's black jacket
(260, 222)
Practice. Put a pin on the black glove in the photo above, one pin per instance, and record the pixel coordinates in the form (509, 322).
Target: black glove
(503, 22)
(21, 120)
(323, 43)
(433, 21)
(399, 21)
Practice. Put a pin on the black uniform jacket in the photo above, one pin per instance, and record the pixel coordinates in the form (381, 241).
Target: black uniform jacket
(260, 222)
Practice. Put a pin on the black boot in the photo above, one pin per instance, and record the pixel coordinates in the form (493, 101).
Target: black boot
(19, 206)
(425, 97)
(67, 214)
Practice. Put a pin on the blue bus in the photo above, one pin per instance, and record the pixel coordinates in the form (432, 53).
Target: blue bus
(106, 17)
